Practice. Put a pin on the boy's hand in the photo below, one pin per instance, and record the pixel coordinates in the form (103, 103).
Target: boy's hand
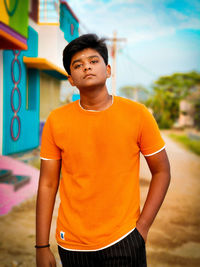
(45, 258)
(160, 170)
(142, 230)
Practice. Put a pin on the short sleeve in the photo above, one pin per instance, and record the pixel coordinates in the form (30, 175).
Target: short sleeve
(49, 149)
(150, 140)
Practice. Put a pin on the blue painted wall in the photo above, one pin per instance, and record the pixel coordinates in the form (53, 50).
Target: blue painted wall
(75, 97)
(68, 24)
(25, 111)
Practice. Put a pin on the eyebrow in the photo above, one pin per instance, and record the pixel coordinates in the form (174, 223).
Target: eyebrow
(79, 59)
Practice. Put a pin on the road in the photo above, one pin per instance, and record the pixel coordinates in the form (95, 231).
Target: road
(174, 239)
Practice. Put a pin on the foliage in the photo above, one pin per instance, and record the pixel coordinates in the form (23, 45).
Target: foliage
(197, 114)
(168, 91)
(193, 145)
(194, 98)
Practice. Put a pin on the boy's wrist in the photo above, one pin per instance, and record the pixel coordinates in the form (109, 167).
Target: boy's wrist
(142, 223)
(143, 228)
(43, 246)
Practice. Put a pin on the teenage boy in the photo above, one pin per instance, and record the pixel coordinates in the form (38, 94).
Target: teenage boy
(97, 141)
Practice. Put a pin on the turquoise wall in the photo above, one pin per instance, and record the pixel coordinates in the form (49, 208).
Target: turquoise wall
(75, 97)
(68, 24)
(21, 102)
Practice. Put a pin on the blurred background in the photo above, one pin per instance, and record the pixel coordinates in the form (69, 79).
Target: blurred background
(155, 58)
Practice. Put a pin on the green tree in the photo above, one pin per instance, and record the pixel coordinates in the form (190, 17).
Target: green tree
(168, 91)
(194, 98)
(197, 114)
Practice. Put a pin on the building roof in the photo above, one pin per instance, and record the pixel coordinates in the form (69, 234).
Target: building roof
(45, 65)
(10, 39)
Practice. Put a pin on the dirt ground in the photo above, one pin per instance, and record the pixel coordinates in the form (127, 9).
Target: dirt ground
(173, 241)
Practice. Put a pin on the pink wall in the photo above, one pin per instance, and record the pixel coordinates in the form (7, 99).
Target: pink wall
(10, 198)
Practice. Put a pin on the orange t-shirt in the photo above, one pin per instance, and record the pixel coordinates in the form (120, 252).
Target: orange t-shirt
(100, 151)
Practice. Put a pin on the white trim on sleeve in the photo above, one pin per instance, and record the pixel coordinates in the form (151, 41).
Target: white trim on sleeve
(154, 152)
(44, 158)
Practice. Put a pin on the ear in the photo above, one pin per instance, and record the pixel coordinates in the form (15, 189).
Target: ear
(108, 70)
(71, 80)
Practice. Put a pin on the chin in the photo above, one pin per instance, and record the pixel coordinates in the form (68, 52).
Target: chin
(91, 85)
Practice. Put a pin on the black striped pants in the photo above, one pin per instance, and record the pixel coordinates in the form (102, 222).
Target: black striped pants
(129, 252)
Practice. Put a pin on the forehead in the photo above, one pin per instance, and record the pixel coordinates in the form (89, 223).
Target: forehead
(85, 53)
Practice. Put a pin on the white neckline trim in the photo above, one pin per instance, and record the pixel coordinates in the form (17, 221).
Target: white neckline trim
(95, 110)
(102, 247)
(154, 152)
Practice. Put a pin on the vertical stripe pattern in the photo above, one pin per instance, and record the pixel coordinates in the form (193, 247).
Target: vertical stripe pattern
(129, 252)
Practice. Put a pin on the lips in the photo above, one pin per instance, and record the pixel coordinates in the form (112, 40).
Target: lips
(88, 75)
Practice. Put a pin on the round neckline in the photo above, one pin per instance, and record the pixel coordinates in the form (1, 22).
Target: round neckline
(95, 112)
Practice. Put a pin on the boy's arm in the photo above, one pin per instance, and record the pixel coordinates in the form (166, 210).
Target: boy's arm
(160, 170)
(48, 186)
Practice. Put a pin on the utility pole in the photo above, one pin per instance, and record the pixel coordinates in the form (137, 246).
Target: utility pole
(114, 41)
(114, 62)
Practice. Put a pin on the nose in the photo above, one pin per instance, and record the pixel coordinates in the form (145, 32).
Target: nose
(87, 67)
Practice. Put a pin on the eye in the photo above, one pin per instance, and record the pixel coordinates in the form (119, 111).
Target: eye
(94, 61)
(77, 66)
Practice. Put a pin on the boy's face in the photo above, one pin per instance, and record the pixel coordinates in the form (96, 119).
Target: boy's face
(88, 69)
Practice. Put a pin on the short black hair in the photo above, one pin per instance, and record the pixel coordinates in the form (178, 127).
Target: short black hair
(89, 40)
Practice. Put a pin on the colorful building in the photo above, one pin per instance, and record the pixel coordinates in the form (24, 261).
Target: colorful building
(32, 37)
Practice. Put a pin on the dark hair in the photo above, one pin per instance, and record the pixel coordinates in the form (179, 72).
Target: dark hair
(81, 43)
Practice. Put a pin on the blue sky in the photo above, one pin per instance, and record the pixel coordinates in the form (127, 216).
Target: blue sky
(162, 36)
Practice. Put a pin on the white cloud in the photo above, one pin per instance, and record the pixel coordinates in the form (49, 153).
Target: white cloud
(192, 23)
(137, 23)
(140, 21)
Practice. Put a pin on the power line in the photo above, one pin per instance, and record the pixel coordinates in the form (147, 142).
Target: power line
(133, 61)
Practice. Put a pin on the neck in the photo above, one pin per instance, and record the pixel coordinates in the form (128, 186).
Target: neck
(95, 100)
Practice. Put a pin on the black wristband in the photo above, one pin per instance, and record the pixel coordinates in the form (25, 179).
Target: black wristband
(45, 246)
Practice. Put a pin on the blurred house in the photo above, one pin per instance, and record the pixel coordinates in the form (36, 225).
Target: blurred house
(186, 117)
(33, 34)
(188, 108)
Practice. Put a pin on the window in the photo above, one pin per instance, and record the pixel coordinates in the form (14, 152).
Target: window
(49, 11)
